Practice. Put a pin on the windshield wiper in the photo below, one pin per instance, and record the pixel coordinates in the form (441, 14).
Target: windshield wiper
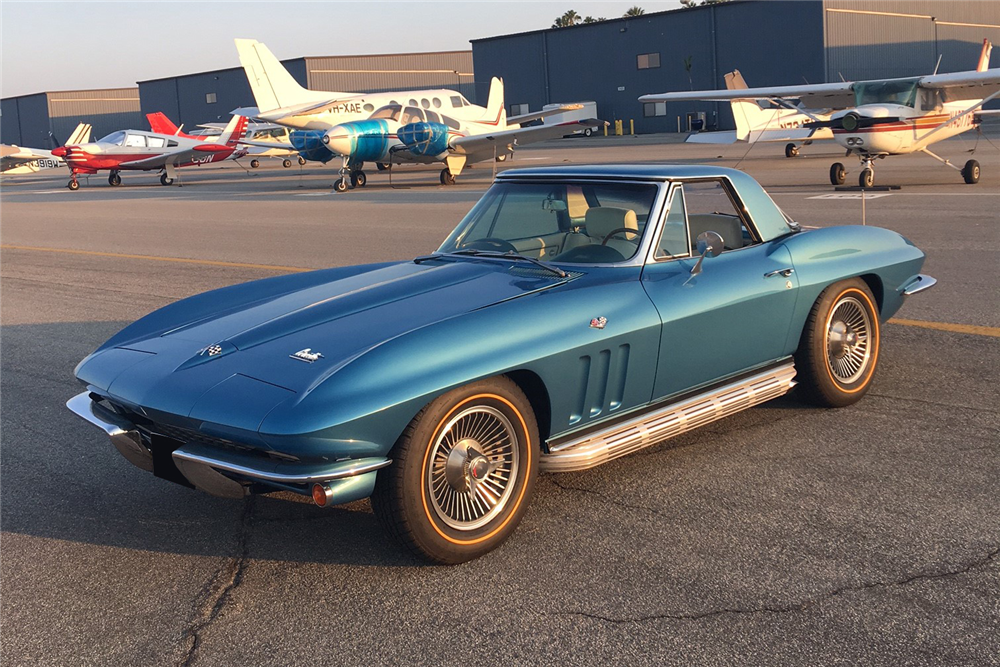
(472, 252)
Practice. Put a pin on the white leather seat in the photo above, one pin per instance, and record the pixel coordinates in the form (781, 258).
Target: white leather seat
(603, 220)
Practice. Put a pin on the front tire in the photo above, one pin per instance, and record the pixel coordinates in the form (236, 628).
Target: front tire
(838, 352)
(867, 178)
(462, 473)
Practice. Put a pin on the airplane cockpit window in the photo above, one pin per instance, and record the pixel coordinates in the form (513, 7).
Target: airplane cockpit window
(433, 117)
(452, 123)
(411, 115)
(156, 142)
(902, 92)
(135, 141)
(456, 101)
(388, 112)
(437, 102)
(115, 138)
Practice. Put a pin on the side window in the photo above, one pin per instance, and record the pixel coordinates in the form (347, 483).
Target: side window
(456, 101)
(710, 208)
(369, 107)
(171, 143)
(156, 142)
(432, 117)
(437, 103)
(674, 238)
(136, 140)
(411, 115)
(452, 123)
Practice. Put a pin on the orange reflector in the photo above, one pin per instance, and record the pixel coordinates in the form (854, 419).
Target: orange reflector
(319, 495)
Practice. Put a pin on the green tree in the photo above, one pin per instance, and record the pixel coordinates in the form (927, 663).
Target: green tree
(568, 19)
(591, 19)
(635, 10)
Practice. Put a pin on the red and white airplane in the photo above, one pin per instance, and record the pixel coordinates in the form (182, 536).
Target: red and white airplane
(876, 119)
(138, 150)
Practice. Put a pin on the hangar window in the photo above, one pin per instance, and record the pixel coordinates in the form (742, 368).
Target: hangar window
(650, 109)
(648, 60)
(369, 107)
(456, 101)
(437, 102)
(518, 109)
(210, 98)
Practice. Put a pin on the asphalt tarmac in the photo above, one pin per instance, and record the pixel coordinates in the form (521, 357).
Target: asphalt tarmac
(785, 534)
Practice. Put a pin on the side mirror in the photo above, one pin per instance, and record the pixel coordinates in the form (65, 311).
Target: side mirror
(709, 245)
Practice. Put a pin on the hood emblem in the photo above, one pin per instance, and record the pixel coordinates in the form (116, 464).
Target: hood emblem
(211, 350)
(598, 322)
(306, 355)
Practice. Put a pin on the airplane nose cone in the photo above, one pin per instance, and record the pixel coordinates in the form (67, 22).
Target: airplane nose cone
(339, 139)
(60, 152)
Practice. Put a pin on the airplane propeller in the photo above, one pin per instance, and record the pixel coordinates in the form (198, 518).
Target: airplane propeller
(851, 121)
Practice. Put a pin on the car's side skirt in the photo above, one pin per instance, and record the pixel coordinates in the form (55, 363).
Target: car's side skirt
(670, 420)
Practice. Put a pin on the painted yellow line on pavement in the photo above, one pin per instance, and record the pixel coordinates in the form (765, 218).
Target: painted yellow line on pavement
(156, 258)
(993, 332)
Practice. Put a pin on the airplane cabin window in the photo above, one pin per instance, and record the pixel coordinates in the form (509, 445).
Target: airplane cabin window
(156, 142)
(413, 102)
(425, 103)
(115, 138)
(433, 117)
(456, 101)
(171, 144)
(452, 123)
(411, 115)
(437, 103)
(135, 140)
(369, 107)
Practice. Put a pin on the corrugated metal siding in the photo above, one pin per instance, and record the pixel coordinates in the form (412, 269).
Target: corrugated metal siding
(381, 73)
(892, 38)
(520, 61)
(107, 110)
(32, 128)
(10, 122)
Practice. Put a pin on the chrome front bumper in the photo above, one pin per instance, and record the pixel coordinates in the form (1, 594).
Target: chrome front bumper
(228, 473)
(919, 284)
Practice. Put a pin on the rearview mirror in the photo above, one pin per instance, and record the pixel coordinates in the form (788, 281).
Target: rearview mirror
(709, 244)
(554, 205)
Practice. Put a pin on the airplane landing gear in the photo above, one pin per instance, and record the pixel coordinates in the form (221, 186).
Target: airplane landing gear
(302, 161)
(114, 178)
(447, 178)
(73, 184)
(254, 163)
(866, 178)
(351, 175)
(358, 179)
(381, 166)
(166, 180)
(838, 173)
(970, 172)
(791, 150)
(340, 185)
(286, 163)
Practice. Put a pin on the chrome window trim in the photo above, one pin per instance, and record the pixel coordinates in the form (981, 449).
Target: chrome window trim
(652, 258)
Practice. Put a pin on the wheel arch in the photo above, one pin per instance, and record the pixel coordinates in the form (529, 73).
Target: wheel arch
(874, 283)
(538, 397)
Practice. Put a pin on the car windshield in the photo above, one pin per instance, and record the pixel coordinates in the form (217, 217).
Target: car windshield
(575, 223)
(115, 138)
(886, 92)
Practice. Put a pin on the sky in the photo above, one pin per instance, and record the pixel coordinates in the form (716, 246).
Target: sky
(47, 46)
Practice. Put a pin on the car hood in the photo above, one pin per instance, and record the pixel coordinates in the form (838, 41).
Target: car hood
(329, 325)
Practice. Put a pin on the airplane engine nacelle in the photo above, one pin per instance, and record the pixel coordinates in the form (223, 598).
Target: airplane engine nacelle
(429, 139)
(362, 141)
(309, 144)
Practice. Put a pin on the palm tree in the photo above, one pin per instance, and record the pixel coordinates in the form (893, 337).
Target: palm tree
(591, 19)
(634, 11)
(566, 20)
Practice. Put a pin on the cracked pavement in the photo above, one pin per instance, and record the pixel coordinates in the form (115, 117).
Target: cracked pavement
(784, 534)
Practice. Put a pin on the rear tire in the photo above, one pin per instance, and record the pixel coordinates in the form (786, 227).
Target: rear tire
(791, 150)
(286, 163)
(447, 178)
(254, 163)
(450, 500)
(589, 131)
(302, 161)
(838, 174)
(970, 172)
(166, 180)
(114, 179)
(838, 351)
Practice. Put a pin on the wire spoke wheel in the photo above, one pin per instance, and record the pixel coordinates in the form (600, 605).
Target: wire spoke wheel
(848, 339)
(471, 467)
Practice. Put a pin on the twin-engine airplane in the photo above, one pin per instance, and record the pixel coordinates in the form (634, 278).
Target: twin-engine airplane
(137, 150)
(875, 119)
(436, 124)
(15, 160)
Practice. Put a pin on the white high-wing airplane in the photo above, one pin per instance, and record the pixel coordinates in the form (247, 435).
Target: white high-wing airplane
(15, 160)
(769, 124)
(885, 117)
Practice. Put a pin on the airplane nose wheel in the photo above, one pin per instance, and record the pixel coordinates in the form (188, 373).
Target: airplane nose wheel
(340, 185)
(73, 184)
(866, 178)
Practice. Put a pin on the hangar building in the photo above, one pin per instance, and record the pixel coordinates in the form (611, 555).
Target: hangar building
(28, 119)
(210, 96)
(772, 43)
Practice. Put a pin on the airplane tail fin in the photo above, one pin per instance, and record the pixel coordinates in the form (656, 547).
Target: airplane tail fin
(235, 130)
(496, 113)
(81, 135)
(272, 86)
(159, 123)
(984, 57)
(746, 112)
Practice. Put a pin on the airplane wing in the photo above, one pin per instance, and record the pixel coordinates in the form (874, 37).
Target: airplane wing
(964, 85)
(838, 95)
(307, 109)
(524, 118)
(479, 143)
(12, 156)
(182, 156)
(267, 144)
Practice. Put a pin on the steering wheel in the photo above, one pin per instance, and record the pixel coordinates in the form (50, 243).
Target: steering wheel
(621, 230)
(489, 243)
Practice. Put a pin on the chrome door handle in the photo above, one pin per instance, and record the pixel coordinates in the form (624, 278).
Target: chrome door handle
(784, 273)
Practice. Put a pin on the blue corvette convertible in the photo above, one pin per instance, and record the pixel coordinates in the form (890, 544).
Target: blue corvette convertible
(575, 315)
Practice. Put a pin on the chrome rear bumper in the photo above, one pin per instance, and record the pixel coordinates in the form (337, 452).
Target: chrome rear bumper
(228, 473)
